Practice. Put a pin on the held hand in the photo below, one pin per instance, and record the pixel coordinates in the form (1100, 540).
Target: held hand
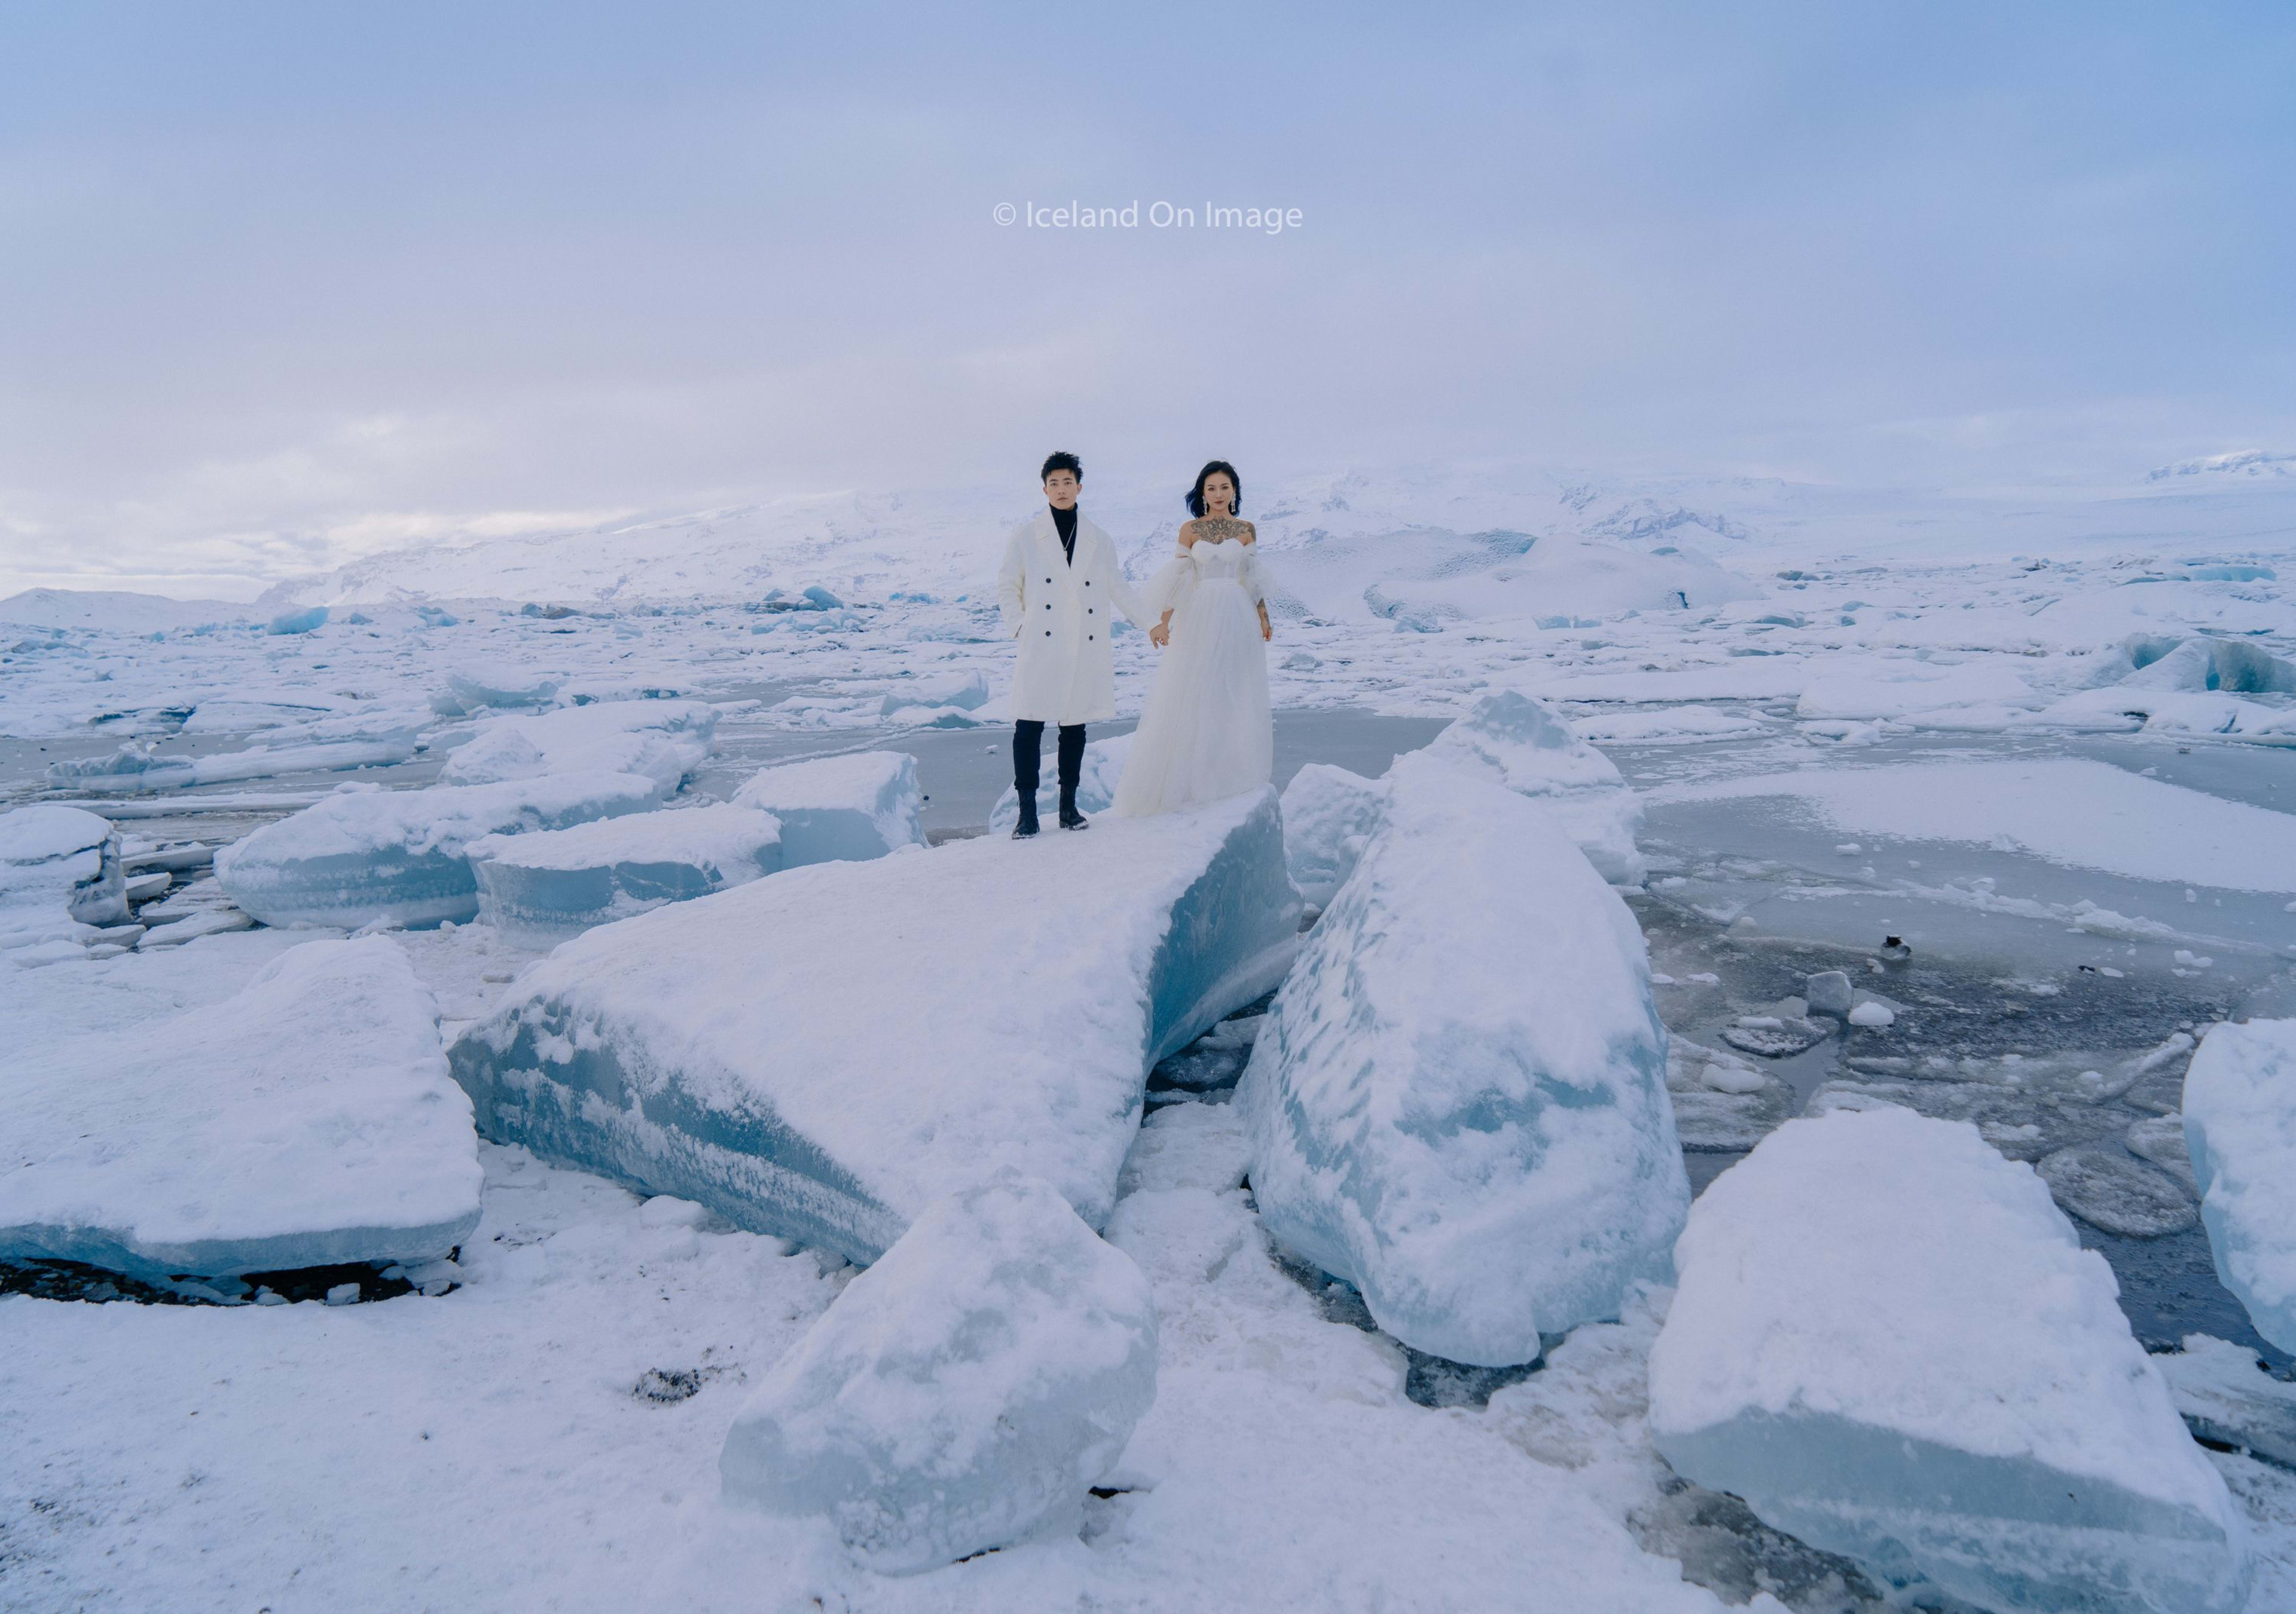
(1159, 635)
(1266, 629)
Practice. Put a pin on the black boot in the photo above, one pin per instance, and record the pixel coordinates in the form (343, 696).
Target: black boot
(1072, 773)
(1028, 767)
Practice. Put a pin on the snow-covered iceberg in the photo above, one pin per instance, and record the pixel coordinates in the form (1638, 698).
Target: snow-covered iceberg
(360, 858)
(1329, 815)
(662, 741)
(1522, 743)
(1889, 1341)
(823, 1054)
(60, 876)
(540, 890)
(1458, 1102)
(840, 808)
(2240, 1127)
(965, 1392)
(305, 1121)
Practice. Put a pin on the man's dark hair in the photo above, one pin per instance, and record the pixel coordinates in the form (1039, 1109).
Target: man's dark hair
(1060, 459)
(1196, 493)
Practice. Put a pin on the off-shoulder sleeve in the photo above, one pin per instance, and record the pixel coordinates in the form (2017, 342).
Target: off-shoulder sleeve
(1253, 576)
(1172, 583)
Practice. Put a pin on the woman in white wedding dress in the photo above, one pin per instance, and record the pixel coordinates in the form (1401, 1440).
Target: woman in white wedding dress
(1205, 733)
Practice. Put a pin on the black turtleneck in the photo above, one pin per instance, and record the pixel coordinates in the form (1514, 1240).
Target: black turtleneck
(1065, 521)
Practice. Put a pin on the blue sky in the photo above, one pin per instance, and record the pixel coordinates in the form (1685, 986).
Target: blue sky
(284, 283)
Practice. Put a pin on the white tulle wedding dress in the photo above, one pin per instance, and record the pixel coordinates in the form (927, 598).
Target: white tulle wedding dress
(1205, 733)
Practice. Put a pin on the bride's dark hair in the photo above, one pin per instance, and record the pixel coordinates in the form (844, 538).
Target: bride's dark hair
(1196, 493)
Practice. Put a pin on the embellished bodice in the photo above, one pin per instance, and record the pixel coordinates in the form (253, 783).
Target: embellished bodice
(1225, 561)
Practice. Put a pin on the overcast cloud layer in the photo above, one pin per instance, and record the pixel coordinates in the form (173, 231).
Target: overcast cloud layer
(282, 285)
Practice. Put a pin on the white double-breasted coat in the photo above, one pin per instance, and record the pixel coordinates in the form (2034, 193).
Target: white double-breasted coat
(1062, 613)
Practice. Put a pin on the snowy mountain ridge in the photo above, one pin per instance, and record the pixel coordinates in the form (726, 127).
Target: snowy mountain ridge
(947, 542)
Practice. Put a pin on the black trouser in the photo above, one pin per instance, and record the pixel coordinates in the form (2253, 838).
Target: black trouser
(1027, 762)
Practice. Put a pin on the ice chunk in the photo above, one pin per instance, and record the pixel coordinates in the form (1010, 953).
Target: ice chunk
(965, 691)
(308, 619)
(2106, 1189)
(1829, 992)
(305, 1121)
(1889, 1341)
(965, 1392)
(540, 890)
(477, 688)
(2239, 1124)
(1524, 744)
(840, 808)
(822, 1054)
(59, 875)
(1458, 1101)
(2160, 1139)
(1329, 814)
(133, 768)
(1103, 766)
(398, 856)
(2226, 1396)
(1722, 1103)
(662, 741)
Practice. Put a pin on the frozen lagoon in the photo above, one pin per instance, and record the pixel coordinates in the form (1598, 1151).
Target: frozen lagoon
(567, 1277)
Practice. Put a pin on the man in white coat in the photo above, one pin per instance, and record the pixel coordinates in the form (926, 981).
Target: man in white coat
(1060, 589)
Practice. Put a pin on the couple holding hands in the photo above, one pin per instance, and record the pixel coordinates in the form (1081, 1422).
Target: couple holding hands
(1205, 731)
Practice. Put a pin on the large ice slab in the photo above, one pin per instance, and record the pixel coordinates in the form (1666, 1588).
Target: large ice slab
(399, 856)
(1458, 1102)
(60, 875)
(1889, 1341)
(662, 741)
(2240, 1126)
(840, 808)
(823, 1054)
(1329, 815)
(965, 1392)
(538, 889)
(1524, 744)
(305, 1121)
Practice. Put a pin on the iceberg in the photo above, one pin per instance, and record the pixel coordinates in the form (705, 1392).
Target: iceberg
(1525, 745)
(847, 809)
(1889, 1342)
(478, 688)
(538, 889)
(1458, 1101)
(362, 857)
(1329, 815)
(965, 1392)
(662, 741)
(308, 1120)
(822, 1054)
(2240, 1127)
(947, 702)
(60, 876)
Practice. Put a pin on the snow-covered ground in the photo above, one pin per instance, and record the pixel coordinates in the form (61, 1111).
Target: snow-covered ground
(1962, 723)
